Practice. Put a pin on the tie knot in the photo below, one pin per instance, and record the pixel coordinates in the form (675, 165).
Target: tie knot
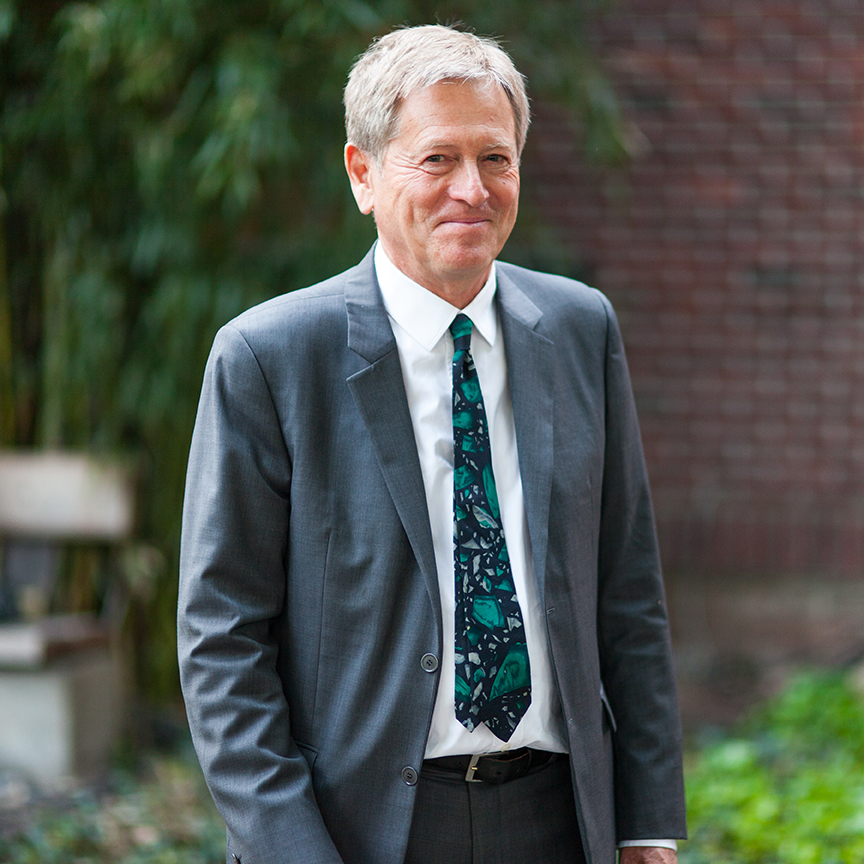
(460, 329)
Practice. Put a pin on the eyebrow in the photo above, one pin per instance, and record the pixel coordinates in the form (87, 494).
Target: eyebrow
(445, 145)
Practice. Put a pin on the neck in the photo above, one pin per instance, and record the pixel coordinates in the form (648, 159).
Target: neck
(458, 291)
(459, 295)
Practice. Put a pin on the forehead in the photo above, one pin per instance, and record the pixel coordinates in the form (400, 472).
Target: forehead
(457, 107)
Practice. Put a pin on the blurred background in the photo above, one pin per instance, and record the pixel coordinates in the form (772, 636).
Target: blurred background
(165, 164)
(731, 245)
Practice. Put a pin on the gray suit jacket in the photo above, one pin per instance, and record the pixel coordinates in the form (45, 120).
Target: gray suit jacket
(308, 590)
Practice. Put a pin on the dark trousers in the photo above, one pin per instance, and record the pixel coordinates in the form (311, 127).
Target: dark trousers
(531, 819)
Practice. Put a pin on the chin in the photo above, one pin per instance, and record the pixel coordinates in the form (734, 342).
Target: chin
(469, 258)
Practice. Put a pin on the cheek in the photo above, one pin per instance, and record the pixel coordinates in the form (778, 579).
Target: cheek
(424, 195)
(514, 184)
(509, 199)
(507, 188)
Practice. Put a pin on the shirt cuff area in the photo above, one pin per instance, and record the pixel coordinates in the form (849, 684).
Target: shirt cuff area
(665, 844)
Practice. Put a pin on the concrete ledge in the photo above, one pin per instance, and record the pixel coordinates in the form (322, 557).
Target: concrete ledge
(31, 644)
(64, 496)
(63, 719)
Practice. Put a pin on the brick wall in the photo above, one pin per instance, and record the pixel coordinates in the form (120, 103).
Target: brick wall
(732, 248)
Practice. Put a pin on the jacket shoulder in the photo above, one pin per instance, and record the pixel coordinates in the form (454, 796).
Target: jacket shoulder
(560, 298)
(318, 303)
(306, 321)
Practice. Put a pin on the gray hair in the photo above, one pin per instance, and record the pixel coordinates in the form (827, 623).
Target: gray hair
(412, 58)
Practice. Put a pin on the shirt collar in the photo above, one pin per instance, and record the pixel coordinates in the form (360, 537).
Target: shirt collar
(426, 316)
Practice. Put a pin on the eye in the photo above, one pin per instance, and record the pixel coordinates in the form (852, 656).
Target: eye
(436, 163)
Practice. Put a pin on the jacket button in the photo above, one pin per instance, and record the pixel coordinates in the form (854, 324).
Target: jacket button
(409, 775)
(429, 662)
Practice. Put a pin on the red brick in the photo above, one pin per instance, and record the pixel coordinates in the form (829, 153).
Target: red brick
(732, 249)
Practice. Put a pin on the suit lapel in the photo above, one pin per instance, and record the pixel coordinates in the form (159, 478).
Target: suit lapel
(379, 393)
(530, 375)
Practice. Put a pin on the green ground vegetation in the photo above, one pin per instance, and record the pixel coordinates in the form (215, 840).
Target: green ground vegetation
(788, 786)
(160, 815)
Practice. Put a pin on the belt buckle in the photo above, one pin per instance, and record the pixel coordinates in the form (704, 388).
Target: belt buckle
(472, 768)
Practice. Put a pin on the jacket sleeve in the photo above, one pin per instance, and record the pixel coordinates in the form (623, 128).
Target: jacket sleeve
(232, 587)
(633, 632)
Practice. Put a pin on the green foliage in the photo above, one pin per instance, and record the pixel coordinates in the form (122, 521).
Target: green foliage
(165, 819)
(165, 164)
(789, 789)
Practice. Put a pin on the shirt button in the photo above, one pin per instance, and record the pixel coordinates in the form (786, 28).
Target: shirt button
(409, 775)
(429, 662)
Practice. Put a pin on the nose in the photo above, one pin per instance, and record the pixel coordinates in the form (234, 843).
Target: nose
(467, 184)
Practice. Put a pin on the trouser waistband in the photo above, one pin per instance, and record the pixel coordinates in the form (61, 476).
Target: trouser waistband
(495, 768)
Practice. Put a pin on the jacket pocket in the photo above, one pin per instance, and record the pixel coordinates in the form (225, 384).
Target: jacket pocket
(607, 708)
(310, 754)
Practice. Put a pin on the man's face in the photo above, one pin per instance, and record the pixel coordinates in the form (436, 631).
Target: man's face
(446, 194)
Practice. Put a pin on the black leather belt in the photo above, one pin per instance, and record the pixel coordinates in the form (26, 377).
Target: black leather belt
(496, 768)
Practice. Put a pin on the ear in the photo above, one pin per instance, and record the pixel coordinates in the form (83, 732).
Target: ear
(359, 167)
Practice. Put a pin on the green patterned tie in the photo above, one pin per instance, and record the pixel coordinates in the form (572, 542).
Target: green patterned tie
(493, 677)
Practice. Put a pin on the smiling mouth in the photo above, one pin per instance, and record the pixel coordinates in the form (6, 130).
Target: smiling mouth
(466, 222)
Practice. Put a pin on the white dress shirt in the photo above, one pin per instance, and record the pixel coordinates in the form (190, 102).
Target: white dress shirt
(421, 322)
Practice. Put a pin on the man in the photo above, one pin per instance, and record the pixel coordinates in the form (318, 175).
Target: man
(397, 648)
